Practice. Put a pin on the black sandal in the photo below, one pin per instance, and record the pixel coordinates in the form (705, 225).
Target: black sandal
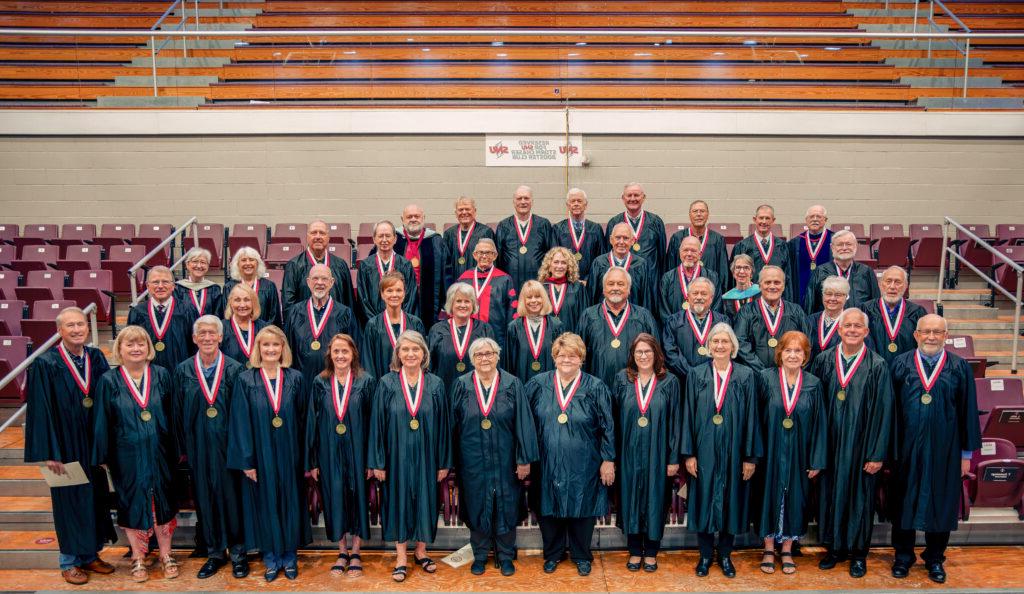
(790, 566)
(633, 566)
(767, 566)
(338, 566)
(426, 564)
(399, 573)
(352, 567)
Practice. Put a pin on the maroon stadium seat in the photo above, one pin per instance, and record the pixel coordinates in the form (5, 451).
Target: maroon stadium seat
(343, 251)
(1009, 233)
(284, 232)
(40, 253)
(32, 294)
(892, 251)
(13, 350)
(23, 267)
(75, 234)
(365, 233)
(48, 310)
(258, 232)
(11, 314)
(865, 256)
(211, 238)
(362, 251)
(8, 254)
(856, 228)
(88, 254)
(115, 234)
(776, 230)
(277, 276)
(94, 286)
(8, 282)
(8, 232)
(927, 304)
(996, 478)
(448, 226)
(879, 230)
(796, 229)
(1005, 275)
(994, 392)
(339, 232)
(730, 231)
(119, 260)
(278, 254)
(53, 279)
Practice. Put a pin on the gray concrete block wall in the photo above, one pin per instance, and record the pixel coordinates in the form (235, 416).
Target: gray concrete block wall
(270, 179)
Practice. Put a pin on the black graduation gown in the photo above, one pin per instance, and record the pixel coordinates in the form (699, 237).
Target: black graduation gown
(497, 302)
(522, 267)
(296, 290)
(643, 277)
(863, 285)
(443, 360)
(781, 256)
(878, 333)
(788, 454)
(141, 455)
(178, 344)
(753, 333)
(569, 477)
(218, 491)
(341, 458)
(409, 504)
(717, 497)
(59, 427)
(715, 257)
(858, 432)
(435, 275)
(274, 507)
(603, 361)
(490, 493)
(451, 241)
(516, 357)
(925, 487)
(593, 244)
(670, 292)
(375, 348)
(813, 329)
(214, 299)
(652, 239)
(802, 260)
(573, 304)
(368, 287)
(680, 343)
(300, 336)
(230, 345)
(644, 454)
(270, 300)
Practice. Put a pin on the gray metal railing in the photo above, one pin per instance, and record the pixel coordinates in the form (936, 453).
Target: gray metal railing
(194, 223)
(181, 26)
(934, 26)
(953, 254)
(90, 310)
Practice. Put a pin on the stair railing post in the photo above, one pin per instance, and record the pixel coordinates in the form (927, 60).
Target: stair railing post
(152, 57)
(967, 63)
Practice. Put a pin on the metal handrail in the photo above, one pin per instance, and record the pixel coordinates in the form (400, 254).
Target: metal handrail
(946, 249)
(933, 26)
(136, 297)
(90, 311)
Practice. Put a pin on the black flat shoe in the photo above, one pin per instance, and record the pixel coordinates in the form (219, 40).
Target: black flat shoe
(550, 566)
(271, 574)
(703, 566)
(937, 573)
(651, 567)
(830, 560)
(858, 568)
(728, 569)
(507, 568)
(291, 572)
(240, 569)
(210, 568)
(583, 568)
(478, 567)
(900, 570)
(632, 566)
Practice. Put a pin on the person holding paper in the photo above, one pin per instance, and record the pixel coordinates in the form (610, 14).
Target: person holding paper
(61, 393)
(135, 440)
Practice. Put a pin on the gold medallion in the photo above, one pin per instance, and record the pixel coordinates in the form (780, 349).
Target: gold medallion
(892, 347)
(523, 250)
(415, 262)
(686, 305)
(718, 419)
(159, 346)
(926, 398)
(616, 343)
(277, 422)
(701, 263)
(414, 424)
(563, 418)
(773, 342)
(460, 366)
(813, 266)
(841, 395)
(211, 412)
(340, 428)
(787, 423)
(462, 260)
(642, 421)
(146, 415)
(578, 256)
(535, 366)
(87, 402)
(485, 424)
(702, 351)
(636, 247)
(248, 364)
(315, 345)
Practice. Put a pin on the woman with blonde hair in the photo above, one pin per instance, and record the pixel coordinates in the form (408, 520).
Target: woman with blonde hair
(529, 336)
(267, 442)
(560, 274)
(135, 441)
(247, 268)
(241, 323)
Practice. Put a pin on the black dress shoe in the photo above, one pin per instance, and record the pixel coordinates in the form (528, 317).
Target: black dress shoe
(478, 567)
(728, 569)
(291, 572)
(633, 566)
(583, 568)
(900, 569)
(703, 565)
(210, 568)
(858, 568)
(507, 568)
(271, 574)
(936, 572)
(240, 569)
(651, 567)
(830, 560)
(550, 566)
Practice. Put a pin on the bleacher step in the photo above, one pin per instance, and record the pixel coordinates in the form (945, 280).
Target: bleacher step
(952, 82)
(211, 27)
(214, 12)
(165, 81)
(22, 481)
(934, 63)
(910, 44)
(976, 327)
(969, 312)
(970, 103)
(198, 44)
(900, 27)
(164, 101)
(211, 62)
(892, 12)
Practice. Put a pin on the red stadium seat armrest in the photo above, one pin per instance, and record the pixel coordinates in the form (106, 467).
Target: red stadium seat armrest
(969, 477)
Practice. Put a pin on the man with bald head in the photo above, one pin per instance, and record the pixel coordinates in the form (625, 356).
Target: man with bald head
(581, 236)
(857, 390)
(622, 256)
(892, 317)
(863, 283)
(318, 251)
(765, 249)
(425, 250)
(647, 228)
(309, 325)
(460, 239)
(522, 239)
(382, 260)
(167, 320)
(713, 255)
(761, 323)
(936, 420)
(673, 290)
(811, 249)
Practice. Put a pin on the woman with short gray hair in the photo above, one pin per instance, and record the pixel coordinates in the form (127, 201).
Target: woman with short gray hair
(247, 267)
(204, 295)
(449, 340)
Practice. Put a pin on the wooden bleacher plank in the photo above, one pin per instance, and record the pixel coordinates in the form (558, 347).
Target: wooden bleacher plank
(327, 21)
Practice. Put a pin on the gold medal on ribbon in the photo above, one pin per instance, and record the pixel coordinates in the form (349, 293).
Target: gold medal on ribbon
(248, 364)
(703, 351)
(892, 347)
(563, 418)
(700, 263)
(841, 395)
(718, 419)
(277, 422)
(146, 415)
(523, 249)
(642, 421)
(813, 266)
(414, 424)
(159, 346)
(315, 345)
(787, 423)
(686, 305)
(87, 402)
(535, 366)
(415, 262)
(340, 428)
(460, 366)
(485, 424)
(616, 343)
(211, 412)
(462, 260)
(926, 398)
(578, 256)
(773, 342)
